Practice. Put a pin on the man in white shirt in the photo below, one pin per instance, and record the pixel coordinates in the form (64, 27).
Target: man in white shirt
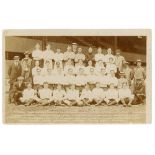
(125, 95)
(99, 65)
(98, 95)
(45, 95)
(69, 54)
(47, 67)
(109, 55)
(68, 64)
(58, 76)
(74, 47)
(48, 54)
(37, 54)
(128, 73)
(119, 60)
(79, 64)
(90, 66)
(37, 76)
(59, 95)
(29, 96)
(58, 57)
(91, 76)
(111, 66)
(72, 96)
(99, 56)
(102, 78)
(70, 75)
(112, 79)
(79, 55)
(48, 77)
(86, 95)
(57, 65)
(81, 77)
(112, 95)
(89, 69)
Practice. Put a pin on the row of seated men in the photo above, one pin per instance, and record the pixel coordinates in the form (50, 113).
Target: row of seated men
(71, 95)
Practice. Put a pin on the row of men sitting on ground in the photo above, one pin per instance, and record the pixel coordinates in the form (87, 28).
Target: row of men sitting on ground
(71, 96)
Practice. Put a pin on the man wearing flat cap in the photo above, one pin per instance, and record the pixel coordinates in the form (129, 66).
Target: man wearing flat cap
(139, 72)
(16, 91)
(14, 70)
(26, 64)
(139, 84)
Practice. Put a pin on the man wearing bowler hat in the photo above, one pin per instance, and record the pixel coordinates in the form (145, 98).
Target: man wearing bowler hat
(139, 72)
(14, 70)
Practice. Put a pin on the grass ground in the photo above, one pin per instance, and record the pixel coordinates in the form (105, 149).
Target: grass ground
(64, 114)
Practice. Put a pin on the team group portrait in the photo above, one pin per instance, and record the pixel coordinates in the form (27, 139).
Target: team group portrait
(80, 72)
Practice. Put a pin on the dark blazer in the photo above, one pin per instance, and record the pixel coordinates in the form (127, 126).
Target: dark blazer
(14, 71)
(18, 87)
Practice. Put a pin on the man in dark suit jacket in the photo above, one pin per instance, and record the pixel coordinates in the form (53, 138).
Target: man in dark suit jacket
(16, 91)
(14, 71)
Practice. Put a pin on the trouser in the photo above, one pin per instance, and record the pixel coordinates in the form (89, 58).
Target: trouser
(45, 101)
(112, 102)
(139, 83)
(58, 102)
(98, 101)
(11, 82)
(126, 100)
(87, 101)
(117, 73)
(70, 102)
(14, 96)
(28, 102)
(139, 99)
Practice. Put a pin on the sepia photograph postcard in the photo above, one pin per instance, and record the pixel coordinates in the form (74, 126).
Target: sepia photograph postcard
(77, 76)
